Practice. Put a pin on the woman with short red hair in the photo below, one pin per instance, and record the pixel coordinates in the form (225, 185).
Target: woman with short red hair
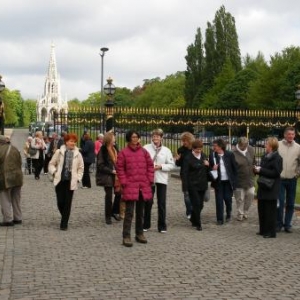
(67, 167)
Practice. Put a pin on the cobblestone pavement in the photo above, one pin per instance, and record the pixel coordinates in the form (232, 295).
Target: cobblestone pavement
(38, 261)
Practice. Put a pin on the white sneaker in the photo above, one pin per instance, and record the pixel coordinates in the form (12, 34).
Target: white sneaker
(145, 230)
(189, 216)
(163, 231)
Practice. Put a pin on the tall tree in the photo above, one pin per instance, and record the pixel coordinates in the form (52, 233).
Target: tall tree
(194, 71)
(227, 45)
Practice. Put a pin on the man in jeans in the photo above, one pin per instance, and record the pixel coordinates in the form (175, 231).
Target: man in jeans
(289, 150)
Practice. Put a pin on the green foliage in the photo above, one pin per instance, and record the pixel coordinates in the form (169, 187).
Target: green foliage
(124, 97)
(194, 72)
(211, 98)
(277, 83)
(163, 93)
(29, 112)
(221, 46)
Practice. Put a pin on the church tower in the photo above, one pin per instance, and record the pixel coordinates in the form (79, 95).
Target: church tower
(51, 99)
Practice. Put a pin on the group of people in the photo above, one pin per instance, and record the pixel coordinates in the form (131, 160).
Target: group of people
(233, 173)
(131, 177)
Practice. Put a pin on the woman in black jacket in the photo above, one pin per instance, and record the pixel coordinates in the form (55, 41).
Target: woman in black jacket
(224, 164)
(194, 180)
(270, 168)
(106, 176)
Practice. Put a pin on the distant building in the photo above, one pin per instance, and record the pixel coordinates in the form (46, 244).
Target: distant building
(51, 99)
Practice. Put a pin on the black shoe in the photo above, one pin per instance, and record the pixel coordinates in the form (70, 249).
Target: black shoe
(220, 222)
(259, 233)
(108, 221)
(288, 230)
(116, 217)
(7, 223)
(64, 228)
(199, 228)
(17, 221)
(267, 236)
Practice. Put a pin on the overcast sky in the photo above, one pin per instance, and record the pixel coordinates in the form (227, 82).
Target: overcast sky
(146, 38)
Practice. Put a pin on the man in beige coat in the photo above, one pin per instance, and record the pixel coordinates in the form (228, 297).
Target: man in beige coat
(289, 150)
(11, 181)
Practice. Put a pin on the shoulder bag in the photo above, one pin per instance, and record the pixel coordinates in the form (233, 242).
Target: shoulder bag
(266, 183)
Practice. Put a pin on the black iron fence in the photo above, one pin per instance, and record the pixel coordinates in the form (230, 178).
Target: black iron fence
(206, 124)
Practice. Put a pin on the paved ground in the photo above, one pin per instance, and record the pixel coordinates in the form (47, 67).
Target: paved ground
(38, 261)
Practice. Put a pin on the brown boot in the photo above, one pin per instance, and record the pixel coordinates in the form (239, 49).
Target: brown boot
(127, 242)
(140, 238)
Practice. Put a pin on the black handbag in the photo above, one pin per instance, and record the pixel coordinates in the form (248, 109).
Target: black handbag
(32, 151)
(264, 182)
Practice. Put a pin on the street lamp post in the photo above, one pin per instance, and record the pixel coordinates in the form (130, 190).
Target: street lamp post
(2, 87)
(109, 90)
(102, 53)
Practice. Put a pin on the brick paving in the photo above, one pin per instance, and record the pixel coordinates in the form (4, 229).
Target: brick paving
(38, 261)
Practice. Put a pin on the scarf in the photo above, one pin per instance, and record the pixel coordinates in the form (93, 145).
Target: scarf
(241, 151)
(69, 154)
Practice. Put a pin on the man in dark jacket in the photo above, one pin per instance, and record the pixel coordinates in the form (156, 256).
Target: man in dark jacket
(224, 162)
(11, 181)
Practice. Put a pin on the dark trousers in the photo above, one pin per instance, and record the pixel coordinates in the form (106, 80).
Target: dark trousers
(110, 206)
(267, 216)
(2, 125)
(161, 194)
(38, 164)
(64, 198)
(46, 163)
(86, 179)
(29, 165)
(139, 216)
(286, 201)
(223, 194)
(197, 198)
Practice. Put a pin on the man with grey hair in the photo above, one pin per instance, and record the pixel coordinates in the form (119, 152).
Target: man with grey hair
(11, 181)
(244, 192)
(289, 150)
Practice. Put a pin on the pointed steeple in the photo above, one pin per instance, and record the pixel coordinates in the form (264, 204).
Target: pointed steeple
(52, 69)
(51, 100)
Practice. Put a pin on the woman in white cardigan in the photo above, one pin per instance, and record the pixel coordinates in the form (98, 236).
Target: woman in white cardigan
(67, 167)
(163, 163)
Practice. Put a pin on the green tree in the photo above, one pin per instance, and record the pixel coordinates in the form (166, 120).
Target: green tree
(163, 93)
(29, 112)
(276, 84)
(227, 45)
(212, 98)
(193, 73)
(124, 97)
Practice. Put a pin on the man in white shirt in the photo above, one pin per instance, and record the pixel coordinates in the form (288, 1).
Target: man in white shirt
(163, 163)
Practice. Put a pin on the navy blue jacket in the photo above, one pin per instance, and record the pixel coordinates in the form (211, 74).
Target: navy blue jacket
(230, 166)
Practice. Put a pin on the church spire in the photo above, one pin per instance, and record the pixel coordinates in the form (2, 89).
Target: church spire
(51, 100)
(52, 69)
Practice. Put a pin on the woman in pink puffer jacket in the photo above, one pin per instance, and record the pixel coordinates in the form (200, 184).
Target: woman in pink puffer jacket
(135, 171)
